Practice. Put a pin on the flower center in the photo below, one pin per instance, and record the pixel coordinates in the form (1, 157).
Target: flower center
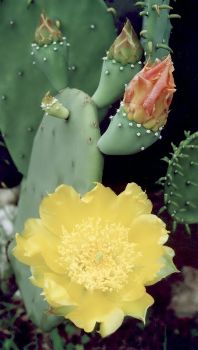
(97, 254)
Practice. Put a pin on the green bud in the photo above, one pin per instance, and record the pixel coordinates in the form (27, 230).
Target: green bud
(126, 47)
(53, 107)
(47, 31)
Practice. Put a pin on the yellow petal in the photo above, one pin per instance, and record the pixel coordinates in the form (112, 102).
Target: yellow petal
(133, 290)
(36, 245)
(131, 203)
(139, 307)
(99, 201)
(20, 251)
(147, 230)
(167, 268)
(112, 322)
(94, 307)
(55, 290)
(149, 233)
(61, 210)
(38, 273)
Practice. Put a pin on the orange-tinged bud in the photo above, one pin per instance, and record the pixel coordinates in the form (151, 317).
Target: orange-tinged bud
(149, 94)
(47, 31)
(126, 47)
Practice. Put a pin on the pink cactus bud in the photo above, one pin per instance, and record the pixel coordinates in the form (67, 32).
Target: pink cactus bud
(149, 94)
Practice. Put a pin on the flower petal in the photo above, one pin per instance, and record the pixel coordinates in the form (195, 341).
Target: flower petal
(30, 244)
(111, 322)
(131, 203)
(148, 230)
(55, 290)
(139, 307)
(94, 307)
(61, 209)
(149, 233)
(168, 267)
(99, 201)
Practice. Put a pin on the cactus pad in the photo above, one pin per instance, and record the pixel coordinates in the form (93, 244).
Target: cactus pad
(181, 181)
(22, 85)
(63, 152)
(125, 137)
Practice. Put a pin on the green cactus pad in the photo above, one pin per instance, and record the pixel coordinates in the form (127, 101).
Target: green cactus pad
(156, 27)
(181, 181)
(114, 77)
(52, 60)
(22, 85)
(125, 137)
(63, 152)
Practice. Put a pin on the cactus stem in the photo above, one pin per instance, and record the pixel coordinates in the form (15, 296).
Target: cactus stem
(164, 46)
(174, 15)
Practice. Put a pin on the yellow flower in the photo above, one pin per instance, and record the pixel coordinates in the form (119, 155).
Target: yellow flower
(94, 255)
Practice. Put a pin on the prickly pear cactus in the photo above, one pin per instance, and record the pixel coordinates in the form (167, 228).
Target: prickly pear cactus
(22, 84)
(156, 27)
(181, 182)
(124, 137)
(119, 67)
(64, 151)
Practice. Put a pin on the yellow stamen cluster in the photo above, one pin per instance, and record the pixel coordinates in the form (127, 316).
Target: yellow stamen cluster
(97, 254)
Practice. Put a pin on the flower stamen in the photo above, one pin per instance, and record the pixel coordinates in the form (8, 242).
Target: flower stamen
(98, 254)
